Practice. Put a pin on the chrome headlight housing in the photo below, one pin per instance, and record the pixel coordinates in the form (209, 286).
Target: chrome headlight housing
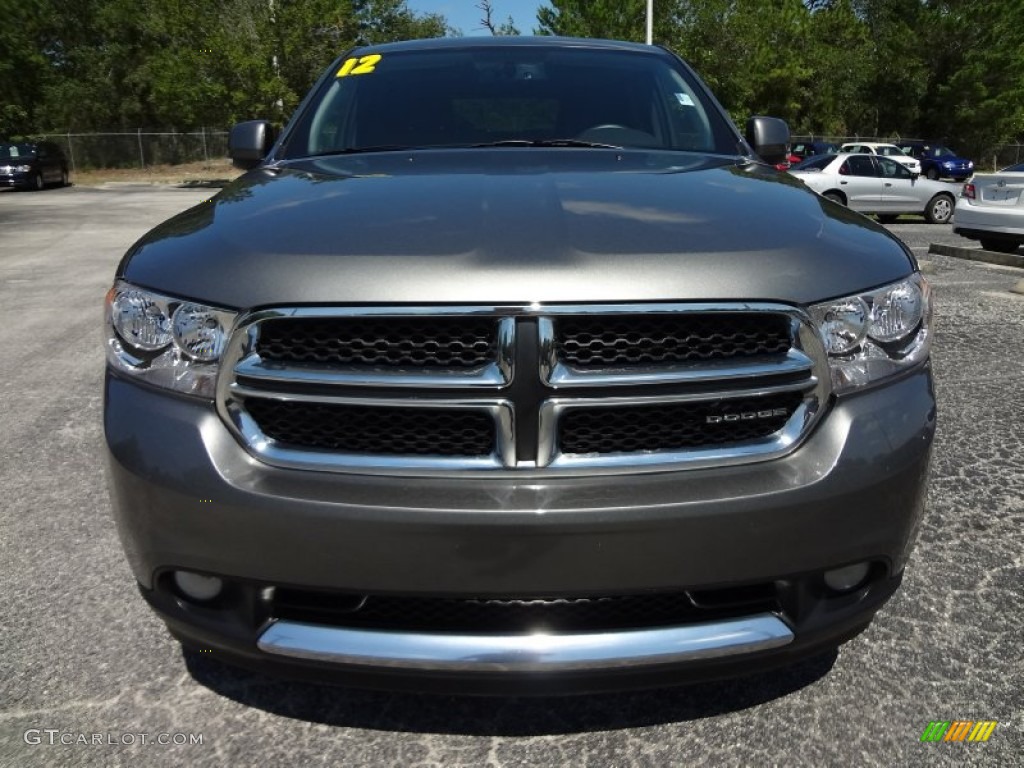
(165, 341)
(877, 334)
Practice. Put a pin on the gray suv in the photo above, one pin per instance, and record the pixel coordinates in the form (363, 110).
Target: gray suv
(497, 372)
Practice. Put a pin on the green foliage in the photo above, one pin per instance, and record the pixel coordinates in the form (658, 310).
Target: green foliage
(940, 69)
(96, 65)
(23, 66)
(975, 97)
(945, 69)
(615, 19)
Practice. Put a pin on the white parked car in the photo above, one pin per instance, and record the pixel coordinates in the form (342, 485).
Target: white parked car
(991, 209)
(876, 184)
(885, 150)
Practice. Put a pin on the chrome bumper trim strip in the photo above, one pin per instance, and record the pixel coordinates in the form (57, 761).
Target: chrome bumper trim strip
(525, 653)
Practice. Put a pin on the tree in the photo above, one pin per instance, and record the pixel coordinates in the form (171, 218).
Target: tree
(160, 64)
(615, 19)
(487, 22)
(975, 94)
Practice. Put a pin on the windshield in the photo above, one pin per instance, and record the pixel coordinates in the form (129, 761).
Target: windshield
(890, 151)
(17, 150)
(513, 96)
(939, 151)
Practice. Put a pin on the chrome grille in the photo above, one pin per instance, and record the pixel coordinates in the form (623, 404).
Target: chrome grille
(621, 340)
(374, 430)
(437, 342)
(556, 388)
(674, 426)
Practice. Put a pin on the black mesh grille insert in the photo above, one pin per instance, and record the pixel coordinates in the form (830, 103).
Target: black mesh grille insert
(428, 342)
(674, 426)
(490, 615)
(373, 430)
(601, 341)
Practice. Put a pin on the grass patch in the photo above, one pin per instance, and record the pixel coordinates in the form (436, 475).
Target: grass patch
(214, 173)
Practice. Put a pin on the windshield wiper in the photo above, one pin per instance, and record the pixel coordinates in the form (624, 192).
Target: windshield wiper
(547, 143)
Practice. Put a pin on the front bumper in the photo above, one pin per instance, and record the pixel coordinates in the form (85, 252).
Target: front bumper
(15, 179)
(187, 496)
(956, 172)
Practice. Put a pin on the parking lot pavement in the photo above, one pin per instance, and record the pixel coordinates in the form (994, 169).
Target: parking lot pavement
(83, 659)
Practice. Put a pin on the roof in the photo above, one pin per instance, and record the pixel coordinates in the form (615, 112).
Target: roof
(509, 41)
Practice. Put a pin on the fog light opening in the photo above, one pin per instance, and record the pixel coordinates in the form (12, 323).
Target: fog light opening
(847, 578)
(197, 587)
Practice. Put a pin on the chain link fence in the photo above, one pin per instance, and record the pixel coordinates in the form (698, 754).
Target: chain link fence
(140, 149)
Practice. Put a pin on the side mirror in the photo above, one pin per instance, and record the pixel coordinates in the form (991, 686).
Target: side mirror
(249, 143)
(769, 137)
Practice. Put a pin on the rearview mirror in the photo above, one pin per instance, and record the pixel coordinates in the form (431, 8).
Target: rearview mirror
(249, 143)
(769, 138)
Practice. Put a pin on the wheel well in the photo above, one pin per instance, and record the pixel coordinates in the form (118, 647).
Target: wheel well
(835, 193)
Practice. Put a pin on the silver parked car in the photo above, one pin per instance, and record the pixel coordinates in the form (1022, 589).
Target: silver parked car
(496, 372)
(874, 184)
(991, 209)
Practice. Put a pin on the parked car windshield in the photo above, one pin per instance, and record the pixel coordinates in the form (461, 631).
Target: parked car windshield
(525, 95)
(1018, 168)
(17, 150)
(890, 151)
(939, 151)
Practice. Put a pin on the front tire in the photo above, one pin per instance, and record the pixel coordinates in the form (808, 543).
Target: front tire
(835, 197)
(37, 182)
(1000, 246)
(940, 209)
(932, 174)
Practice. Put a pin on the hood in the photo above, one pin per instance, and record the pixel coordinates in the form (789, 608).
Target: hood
(514, 226)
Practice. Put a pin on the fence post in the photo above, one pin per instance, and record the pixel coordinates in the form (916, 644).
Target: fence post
(142, 157)
(206, 157)
(71, 152)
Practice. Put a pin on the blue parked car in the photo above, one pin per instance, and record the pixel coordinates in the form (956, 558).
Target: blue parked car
(939, 162)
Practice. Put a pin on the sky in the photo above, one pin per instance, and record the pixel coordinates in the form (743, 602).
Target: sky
(466, 16)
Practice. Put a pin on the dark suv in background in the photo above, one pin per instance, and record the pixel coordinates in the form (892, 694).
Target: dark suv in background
(32, 165)
(938, 161)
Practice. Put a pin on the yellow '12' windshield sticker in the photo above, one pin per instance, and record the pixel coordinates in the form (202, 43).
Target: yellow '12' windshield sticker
(360, 65)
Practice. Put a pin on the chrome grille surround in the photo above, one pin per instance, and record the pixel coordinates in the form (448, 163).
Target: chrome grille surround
(557, 389)
(495, 373)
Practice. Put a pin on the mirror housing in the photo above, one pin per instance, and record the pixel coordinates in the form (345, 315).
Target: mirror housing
(249, 143)
(769, 138)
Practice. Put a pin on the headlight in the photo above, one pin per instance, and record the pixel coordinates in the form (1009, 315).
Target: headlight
(22, 168)
(877, 334)
(165, 341)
